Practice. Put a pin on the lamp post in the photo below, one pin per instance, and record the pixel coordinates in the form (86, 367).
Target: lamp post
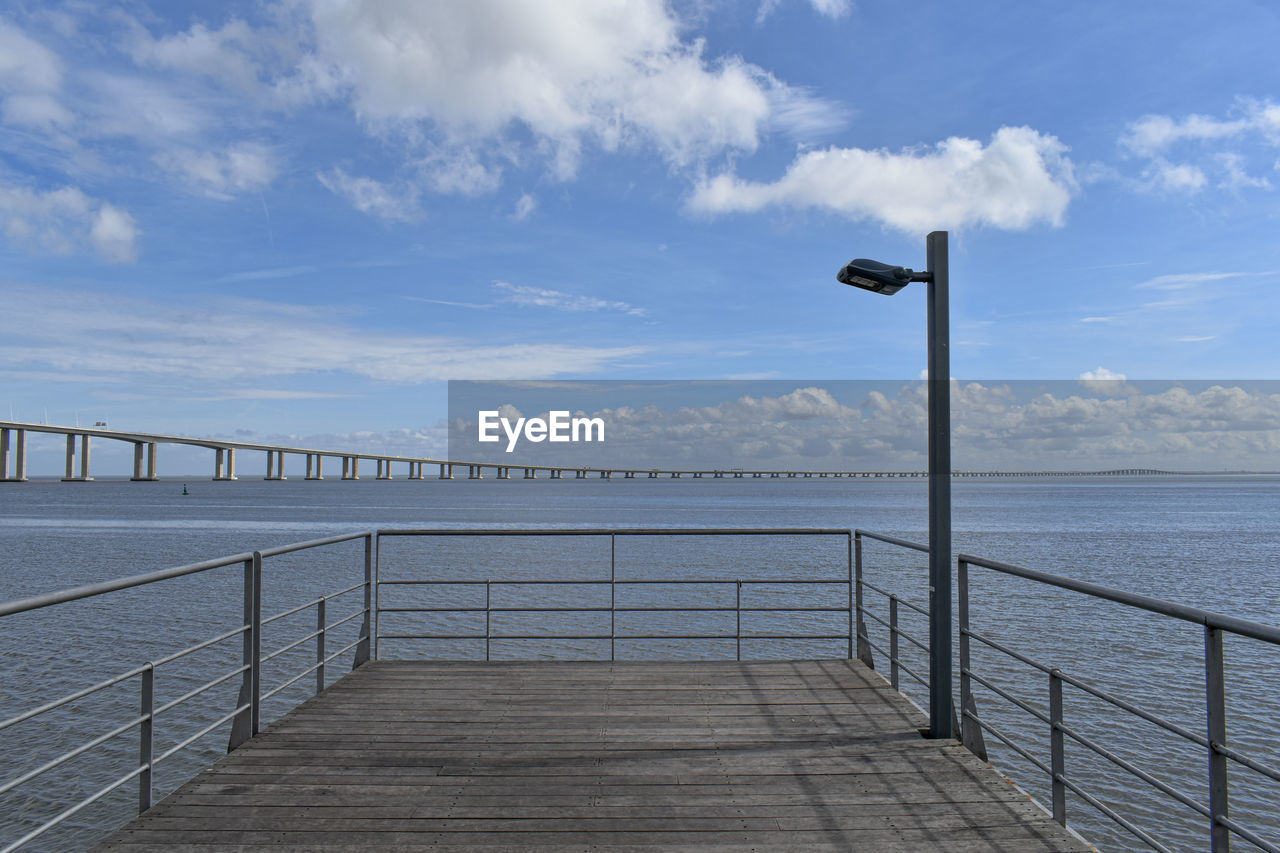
(888, 280)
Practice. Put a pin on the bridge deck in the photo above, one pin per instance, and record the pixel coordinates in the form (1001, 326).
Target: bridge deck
(809, 755)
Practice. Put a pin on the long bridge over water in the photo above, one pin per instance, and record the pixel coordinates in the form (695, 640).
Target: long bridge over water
(13, 462)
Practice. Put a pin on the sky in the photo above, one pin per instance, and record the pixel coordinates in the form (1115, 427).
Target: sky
(297, 221)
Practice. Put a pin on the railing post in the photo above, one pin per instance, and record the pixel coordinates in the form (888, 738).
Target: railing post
(243, 726)
(864, 642)
(613, 593)
(849, 596)
(893, 641)
(738, 611)
(367, 627)
(487, 611)
(1057, 747)
(256, 663)
(320, 628)
(146, 737)
(1216, 699)
(970, 731)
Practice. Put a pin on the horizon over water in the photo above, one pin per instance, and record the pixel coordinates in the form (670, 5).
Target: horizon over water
(1209, 541)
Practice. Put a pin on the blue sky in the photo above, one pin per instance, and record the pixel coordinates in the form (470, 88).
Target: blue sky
(298, 220)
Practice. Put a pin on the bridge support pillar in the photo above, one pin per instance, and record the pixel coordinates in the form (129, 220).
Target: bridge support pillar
(606, 475)
(737, 475)
(351, 467)
(531, 473)
(446, 471)
(475, 472)
(150, 473)
(384, 469)
(556, 474)
(415, 470)
(315, 466)
(275, 465)
(504, 473)
(675, 475)
(19, 470)
(224, 463)
(72, 477)
(629, 475)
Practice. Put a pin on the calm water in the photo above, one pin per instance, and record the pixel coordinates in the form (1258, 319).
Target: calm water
(1210, 541)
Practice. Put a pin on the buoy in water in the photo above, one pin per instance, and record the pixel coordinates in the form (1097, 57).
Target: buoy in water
(184, 489)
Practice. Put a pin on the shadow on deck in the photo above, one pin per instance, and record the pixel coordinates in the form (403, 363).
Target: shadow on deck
(769, 756)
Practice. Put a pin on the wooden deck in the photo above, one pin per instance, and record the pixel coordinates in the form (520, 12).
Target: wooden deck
(775, 756)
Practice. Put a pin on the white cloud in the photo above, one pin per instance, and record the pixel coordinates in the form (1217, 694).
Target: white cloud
(1186, 281)
(242, 168)
(155, 344)
(1105, 381)
(571, 74)
(66, 220)
(30, 80)
(225, 53)
(525, 206)
(1021, 178)
(523, 294)
(1194, 339)
(1200, 139)
(373, 197)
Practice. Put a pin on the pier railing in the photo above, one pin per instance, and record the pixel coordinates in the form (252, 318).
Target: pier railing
(245, 717)
(1222, 759)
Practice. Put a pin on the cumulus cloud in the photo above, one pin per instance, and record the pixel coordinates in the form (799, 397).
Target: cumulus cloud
(1019, 179)
(481, 75)
(255, 341)
(66, 220)
(539, 297)
(1200, 139)
(30, 80)
(246, 167)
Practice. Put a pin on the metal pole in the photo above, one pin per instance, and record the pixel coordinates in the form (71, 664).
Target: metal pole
(146, 737)
(320, 630)
(970, 731)
(255, 712)
(738, 631)
(939, 363)
(849, 596)
(864, 641)
(487, 611)
(1215, 696)
(893, 642)
(364, 650)
(613, 593)
(241, 727)
(1057, 747)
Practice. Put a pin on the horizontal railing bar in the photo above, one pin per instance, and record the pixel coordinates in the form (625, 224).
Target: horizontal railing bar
(892, 540)
(206, 730)
(1030, 709)
(615, 610)
(344, 620)
(313, 668)
(197, 647)
(904, 602)
(618, 582)
(1009, 743)
(312, 603)
(1134, 770)
(88, 801)
(614, 637)
(1247, 834)
(291, 646)
(79, 694)
(1115, 816)
(1123, 704)
(174, 703)
(34, 602)
(351, 588)
(312, 543)
(1266, 770)
(67, 756)
(1243, 627)
(919, 679)
(623, 531)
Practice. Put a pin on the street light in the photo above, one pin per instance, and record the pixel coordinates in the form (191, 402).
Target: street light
(888, 280)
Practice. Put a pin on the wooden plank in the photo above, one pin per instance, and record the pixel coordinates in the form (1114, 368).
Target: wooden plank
(795, 755)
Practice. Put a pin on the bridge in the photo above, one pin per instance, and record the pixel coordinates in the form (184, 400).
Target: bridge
(13, 462)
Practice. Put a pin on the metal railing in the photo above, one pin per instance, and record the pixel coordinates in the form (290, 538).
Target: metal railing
(613, 582)
(1220, 826)
(245, 717)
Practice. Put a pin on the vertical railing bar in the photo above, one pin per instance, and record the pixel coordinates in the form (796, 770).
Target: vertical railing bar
(146, 737)
(864, 642)
(320, 632)
(255, 712)
(1057, 747)
(242, 727)
(849, 596)
(613, 593)
(374, 585)
(1216, 701)
(970, 731)
(893, 641)
(367, 646)
(738, 631)
(487, 611)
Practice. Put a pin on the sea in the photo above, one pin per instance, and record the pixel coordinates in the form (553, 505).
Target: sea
(1211, 541)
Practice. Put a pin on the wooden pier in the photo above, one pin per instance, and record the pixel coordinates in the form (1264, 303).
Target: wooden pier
(707, 756)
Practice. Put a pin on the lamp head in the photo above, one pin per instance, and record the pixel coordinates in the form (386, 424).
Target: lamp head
(875, 276)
